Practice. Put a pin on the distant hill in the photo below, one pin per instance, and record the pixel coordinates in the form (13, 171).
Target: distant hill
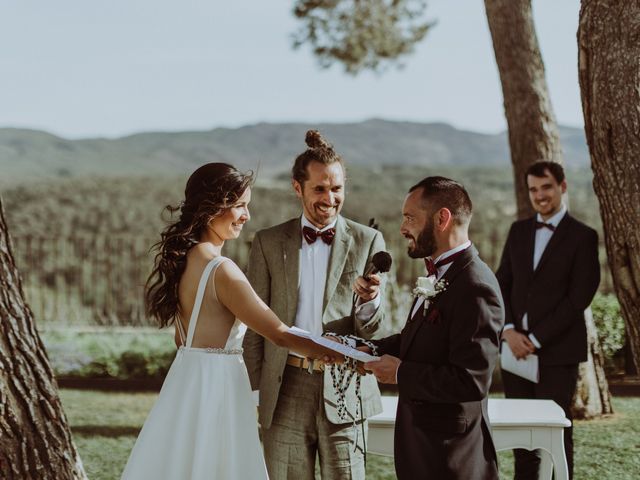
(35, 155)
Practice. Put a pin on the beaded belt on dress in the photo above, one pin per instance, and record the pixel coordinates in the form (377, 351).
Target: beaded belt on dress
(220, 351)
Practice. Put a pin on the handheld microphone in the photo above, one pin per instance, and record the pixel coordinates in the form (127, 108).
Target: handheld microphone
(380, 262)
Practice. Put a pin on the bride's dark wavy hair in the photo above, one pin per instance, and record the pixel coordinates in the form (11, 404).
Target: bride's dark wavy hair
(211, 190)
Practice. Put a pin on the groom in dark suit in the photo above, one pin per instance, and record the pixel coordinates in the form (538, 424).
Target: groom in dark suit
(548, 274)
(444, 357)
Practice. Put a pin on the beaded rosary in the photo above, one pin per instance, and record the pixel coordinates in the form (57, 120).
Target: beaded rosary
(341, 375)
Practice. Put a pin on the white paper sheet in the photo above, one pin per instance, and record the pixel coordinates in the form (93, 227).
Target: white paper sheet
(335, 346)
(526, 368)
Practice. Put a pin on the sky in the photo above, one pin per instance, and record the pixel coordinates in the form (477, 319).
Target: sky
(89, 68)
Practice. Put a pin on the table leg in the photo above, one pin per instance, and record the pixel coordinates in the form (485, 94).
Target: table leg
(558, 457)
(546, 465)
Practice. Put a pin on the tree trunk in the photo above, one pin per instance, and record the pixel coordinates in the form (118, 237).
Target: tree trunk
(35, 440)
(592, 396)
(609, 68)
(533, 136)
(533, 132)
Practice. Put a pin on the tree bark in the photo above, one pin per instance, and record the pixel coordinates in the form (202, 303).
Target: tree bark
(35, 440)
(592, 397)
(533, 136)
(609, 72)
(533, 132)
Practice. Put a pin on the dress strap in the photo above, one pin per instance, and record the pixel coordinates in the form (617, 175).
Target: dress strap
(199, 296)
(180, 331)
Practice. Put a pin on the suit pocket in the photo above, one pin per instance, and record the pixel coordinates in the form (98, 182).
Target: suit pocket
(451, 426)
(425, 419)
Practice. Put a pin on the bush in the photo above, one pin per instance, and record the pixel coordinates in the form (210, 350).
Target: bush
(610, 325)
(127, 354)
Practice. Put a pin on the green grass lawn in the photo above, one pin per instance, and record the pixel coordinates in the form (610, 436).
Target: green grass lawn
(105, 426)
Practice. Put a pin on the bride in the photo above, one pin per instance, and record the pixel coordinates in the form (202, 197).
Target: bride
(203, 424)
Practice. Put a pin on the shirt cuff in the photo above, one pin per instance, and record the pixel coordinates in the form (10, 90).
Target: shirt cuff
(364, 311)
(535, 341)
(508, 326)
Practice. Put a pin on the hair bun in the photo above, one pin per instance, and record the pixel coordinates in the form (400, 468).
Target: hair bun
(313, 139)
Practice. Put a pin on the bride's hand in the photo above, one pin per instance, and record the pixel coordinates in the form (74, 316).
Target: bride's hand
(331, 359)
(333, 338)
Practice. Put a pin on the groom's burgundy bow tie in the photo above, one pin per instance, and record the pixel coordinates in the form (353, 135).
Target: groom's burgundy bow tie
(311, 234)
(545, 225)
(432, 268)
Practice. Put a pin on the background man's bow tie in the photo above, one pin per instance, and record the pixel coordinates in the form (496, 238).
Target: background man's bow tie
(545, 225)
(311, 234)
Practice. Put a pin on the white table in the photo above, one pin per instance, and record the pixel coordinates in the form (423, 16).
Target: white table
(528, 424)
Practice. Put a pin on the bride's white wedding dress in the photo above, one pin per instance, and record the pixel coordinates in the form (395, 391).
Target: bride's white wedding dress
(203, 424)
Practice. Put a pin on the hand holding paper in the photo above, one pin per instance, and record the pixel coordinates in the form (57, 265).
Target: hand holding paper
(386, 369)
(335, 346)
(525, 367)
(519, 343)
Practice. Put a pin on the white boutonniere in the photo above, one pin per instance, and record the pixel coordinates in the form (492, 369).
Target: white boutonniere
(428, 288)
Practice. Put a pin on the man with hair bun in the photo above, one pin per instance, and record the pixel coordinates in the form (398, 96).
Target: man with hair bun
(306, 270)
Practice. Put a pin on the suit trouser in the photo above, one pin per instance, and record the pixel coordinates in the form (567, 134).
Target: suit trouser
(300, 429)
(557, 383)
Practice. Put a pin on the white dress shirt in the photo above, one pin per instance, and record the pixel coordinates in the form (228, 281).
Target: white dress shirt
(440, 271)
(543, 235)
(314, 263)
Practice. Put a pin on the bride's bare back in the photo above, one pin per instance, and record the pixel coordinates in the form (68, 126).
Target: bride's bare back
(215, 320)
(228, 295)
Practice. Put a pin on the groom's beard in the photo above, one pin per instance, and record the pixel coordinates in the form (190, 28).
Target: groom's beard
(425, 244)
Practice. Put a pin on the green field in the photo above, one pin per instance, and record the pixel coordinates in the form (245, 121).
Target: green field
(132, 205)
(82, 244)
(105, 426)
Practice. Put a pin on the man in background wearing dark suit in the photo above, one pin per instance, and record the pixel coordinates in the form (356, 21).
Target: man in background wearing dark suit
(444, 357)
(548, 274)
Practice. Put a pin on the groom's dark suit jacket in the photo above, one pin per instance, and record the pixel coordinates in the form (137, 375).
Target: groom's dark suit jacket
(448, 356)
(557, 292)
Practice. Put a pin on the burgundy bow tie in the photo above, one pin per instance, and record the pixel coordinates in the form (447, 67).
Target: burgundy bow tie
(545, 225)
(311, 234)
(432, 268)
